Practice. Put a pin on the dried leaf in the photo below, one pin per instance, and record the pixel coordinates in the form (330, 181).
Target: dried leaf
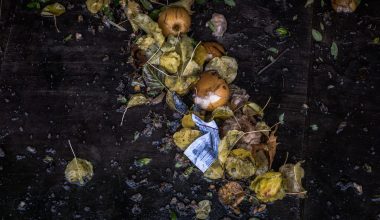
(215, 171)
(334, 50)
(240, 164)
(293, 174)
(55, 9)
(170, 61)
(186, 4)
(225, 66)
(262, 162)
(316, 35)
(184, 137)
(268, 187)
(203, 209)
(253, 109)
(180, 85)
(153, 80)
(272, 146)
(231, 195)
(222, 112)
(136, 100)
(227, 143)
(94, 6)
(133, 9)
(144, 22)
(79, 171)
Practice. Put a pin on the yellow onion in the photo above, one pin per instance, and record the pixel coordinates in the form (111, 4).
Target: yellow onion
(174, 21)
(211, 91)
(346, 6)
(208, 50)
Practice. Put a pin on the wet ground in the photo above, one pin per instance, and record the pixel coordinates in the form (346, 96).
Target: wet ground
(52, 91)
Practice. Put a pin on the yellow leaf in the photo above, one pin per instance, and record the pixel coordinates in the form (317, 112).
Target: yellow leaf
(227, 143)
(79, 171)
(137, 99)
(215, 171)
(252, 109)
(55, 9)
(222, 112)
(184, 137)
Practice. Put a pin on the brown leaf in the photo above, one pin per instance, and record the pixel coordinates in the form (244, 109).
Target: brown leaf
(272, 146)
(231, 195)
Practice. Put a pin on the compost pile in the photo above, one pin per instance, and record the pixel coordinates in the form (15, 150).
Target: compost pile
(222, 130)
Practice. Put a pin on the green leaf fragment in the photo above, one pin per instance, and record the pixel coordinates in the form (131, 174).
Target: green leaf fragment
(282, 32)
(334, 50)
(308, 3)
(273, 50)
(376, 40)
(316, 35)
(281, 118)
(146, 4)
(314, 127)
(231, 3)
(143, 162)
(68, 38)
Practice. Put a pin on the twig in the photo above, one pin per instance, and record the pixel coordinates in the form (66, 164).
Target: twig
(275, 125)
(237, 121)
(122, 118)
(75, 157)
(266, 104)
(286, 158)
(158, 70)
(249, 132)
(55, 24)
(274, 61)
(120, 28)
(153, 54)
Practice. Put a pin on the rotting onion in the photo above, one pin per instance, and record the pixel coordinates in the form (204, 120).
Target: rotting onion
(174, 21)
(211, 91)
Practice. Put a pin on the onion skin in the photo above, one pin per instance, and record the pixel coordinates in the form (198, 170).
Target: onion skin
(211, 84)
(174, 21)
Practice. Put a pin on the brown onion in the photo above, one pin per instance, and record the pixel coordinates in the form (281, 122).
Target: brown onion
(174, 21)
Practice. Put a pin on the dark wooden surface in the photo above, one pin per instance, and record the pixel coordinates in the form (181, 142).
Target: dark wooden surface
(52, 91)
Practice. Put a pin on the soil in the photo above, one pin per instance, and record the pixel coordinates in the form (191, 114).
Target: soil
(52, 91)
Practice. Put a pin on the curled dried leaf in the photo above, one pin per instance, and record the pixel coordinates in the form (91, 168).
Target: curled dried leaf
(293, 174)
(203, 209)
(231, 195)
(79, 171)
